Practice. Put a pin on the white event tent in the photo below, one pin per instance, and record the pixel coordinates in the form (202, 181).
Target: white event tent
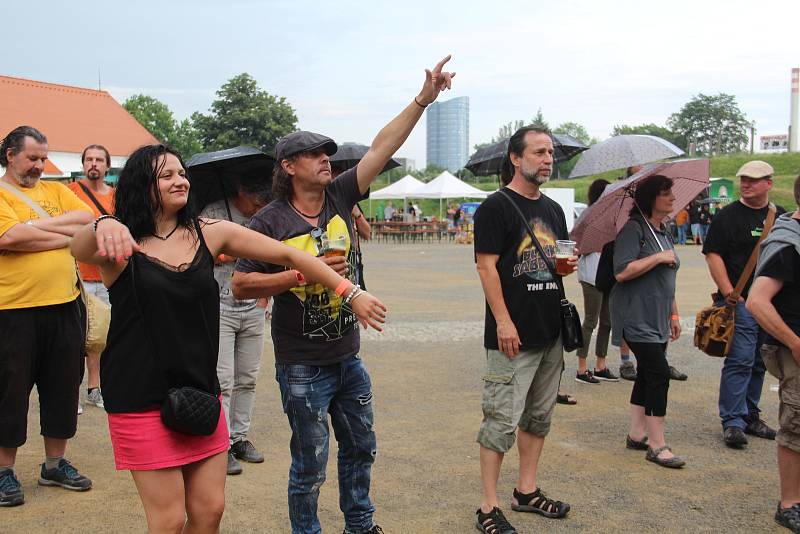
(402, 188)
(448, 186)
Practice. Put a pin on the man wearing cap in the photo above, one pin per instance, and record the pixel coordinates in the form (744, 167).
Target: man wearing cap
(318, 366)
(733, 234)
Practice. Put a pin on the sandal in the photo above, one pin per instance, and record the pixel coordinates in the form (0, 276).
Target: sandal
(538, 503)
(631, 443)
(564, 398)
(675, 462)
(493, 523)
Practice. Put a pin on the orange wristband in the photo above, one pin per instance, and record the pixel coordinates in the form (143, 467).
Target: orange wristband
(675, 317)
(342, 287)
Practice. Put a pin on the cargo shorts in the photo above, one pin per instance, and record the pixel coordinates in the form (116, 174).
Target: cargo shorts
(781, 364)
(519, 392)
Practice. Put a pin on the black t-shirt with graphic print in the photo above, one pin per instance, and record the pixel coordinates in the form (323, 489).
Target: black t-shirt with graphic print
(785, 266)
(529, 290)
(733, 234)
(310, 323)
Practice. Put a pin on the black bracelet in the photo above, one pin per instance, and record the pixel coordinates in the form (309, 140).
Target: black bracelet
(97, 220)
(417, 102)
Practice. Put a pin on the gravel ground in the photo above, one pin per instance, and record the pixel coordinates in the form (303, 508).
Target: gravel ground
(427, 370)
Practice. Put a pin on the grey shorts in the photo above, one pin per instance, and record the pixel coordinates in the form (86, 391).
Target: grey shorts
(781, 364)
(519, 392)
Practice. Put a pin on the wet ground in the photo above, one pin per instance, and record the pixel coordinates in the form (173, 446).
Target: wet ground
(426, 369)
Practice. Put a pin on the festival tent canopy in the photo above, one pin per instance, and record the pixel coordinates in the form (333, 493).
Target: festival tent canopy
(448, 186)
(402, 188)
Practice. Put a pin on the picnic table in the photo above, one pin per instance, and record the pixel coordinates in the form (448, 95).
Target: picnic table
(419, 231)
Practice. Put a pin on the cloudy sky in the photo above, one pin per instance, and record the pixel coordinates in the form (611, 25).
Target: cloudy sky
(348, 66)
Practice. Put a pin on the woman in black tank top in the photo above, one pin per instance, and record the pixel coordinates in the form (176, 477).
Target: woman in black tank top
(156, 258)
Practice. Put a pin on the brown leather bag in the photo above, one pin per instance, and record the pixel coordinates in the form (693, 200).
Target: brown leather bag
(713, 327)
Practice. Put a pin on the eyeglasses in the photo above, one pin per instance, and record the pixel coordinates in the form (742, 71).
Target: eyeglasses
(319, 236)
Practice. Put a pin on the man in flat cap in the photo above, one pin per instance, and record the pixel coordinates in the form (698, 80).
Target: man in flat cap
(318, 366)
(734, 233)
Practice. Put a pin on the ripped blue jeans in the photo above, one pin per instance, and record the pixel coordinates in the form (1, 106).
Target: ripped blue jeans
(309, 394)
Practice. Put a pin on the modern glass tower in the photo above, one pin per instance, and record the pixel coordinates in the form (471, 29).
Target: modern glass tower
(448, 133)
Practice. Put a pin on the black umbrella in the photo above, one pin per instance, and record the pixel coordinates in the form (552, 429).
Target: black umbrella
(216, 175)
(349, 154)
(489, 160)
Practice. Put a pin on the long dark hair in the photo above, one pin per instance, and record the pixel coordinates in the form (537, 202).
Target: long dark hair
(516, 145)
(282, 181)
(137, 200)
(596, 190)
(646, 192)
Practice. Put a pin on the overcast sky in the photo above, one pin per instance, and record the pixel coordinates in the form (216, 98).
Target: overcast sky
(347, 67)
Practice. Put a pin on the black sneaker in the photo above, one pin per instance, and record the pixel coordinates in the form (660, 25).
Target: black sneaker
(627, 371)
(757, 427)
(674, 374)
(789, 517)
(606, 375)
(10, 489)
(586, 378)
(493, 523)
(234, 467)
(374, 530)
(244, 450)
(734, 437)
(66, 476)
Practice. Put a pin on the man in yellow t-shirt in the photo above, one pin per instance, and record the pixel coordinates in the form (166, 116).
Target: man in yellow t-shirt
(100, 197)
(40, 318)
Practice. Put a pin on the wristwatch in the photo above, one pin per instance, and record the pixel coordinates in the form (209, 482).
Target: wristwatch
(29, 221)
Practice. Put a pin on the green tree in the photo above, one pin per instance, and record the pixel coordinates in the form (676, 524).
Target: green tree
(243, 114)
(539, 121)
(153, 114)
(713, 122)
(651, 129)
(578, 131)
(157, 118)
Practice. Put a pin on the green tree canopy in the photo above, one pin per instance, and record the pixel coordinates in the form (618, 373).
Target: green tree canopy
(157, 118)
(713, 122)
(243, 114)
(578, 131)
(539, 121)
(651, 129)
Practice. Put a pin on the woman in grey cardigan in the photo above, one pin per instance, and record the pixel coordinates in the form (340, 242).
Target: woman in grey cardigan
(644, 312)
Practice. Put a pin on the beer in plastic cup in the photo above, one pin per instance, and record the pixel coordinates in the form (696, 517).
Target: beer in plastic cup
(564, 251)
(336, 247)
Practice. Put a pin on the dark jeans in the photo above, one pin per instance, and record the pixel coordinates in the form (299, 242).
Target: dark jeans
(309, 394)
(743, 372)
(652, 377)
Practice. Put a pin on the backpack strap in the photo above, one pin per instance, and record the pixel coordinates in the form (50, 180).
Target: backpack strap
(94, 200)
(26, 199)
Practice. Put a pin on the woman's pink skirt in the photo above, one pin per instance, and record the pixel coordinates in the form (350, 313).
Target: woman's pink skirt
(141, 442)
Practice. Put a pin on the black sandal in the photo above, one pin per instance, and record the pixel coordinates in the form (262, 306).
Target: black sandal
(493, 523)
(538, 503)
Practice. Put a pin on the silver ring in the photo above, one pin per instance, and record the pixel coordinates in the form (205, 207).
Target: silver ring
(109, 237)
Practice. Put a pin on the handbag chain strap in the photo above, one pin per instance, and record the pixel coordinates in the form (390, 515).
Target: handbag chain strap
(545, 259)
(733, 297)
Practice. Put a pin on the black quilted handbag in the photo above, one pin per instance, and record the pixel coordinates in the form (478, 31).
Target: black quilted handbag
(190, 411)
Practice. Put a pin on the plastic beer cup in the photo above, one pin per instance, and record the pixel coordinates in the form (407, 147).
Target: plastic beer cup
(564, 251)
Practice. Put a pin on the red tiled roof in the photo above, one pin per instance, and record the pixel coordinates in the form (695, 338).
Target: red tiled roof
(50, 169)
(70, 117)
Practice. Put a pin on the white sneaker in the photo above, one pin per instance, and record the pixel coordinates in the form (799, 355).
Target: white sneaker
(96, 398)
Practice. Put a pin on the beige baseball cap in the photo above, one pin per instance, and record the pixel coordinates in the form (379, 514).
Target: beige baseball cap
(756, 169)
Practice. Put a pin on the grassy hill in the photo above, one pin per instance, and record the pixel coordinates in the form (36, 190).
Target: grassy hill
(787, 168)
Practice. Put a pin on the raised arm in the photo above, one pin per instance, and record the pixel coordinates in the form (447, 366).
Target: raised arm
(394, 134)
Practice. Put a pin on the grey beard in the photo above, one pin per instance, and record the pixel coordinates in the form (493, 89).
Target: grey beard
(27, 180)
(534, 178)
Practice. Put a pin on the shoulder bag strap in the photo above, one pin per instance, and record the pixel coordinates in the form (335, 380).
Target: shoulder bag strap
(545, 259)
(751, 263)
(26, 199)
(93, 199)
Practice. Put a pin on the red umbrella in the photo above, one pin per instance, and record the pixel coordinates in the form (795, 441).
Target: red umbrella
(600, 222)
